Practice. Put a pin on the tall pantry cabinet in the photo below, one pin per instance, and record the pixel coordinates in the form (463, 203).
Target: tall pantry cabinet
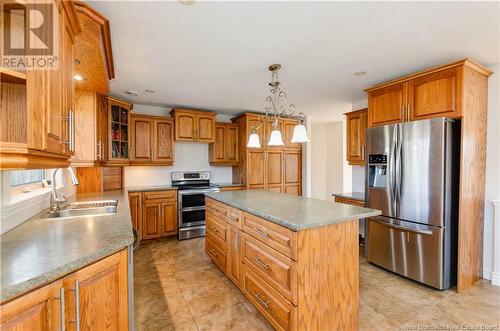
(273, 168)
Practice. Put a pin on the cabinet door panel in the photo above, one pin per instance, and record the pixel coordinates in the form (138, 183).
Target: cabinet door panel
(37, 310)
(151, 218)
(220, 143)
(142, 138)
(293, 189)
(356, 128)
(255, 169)
(434, 95)
(136, 210)
(169, 218)
(103, 295)
(163, 141)
(205, 128)
(232, 144)
(385, 106)
(234, 263)
(274, 169)
(186, 128)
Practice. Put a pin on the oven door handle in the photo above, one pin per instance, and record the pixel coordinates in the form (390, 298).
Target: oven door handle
(193, 192)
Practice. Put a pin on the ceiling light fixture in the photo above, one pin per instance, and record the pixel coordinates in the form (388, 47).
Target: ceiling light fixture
(132, 93)
(360, 73)
(79, 77)
(275, 107)
(186, 2)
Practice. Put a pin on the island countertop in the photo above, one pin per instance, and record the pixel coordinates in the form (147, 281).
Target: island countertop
(293, 212)
(38, 252)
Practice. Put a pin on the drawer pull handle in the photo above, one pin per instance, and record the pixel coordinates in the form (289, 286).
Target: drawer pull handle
(261, 263)
(234, 218)
(262, 233)
(265, 303)
(213, 252)
(214, 229)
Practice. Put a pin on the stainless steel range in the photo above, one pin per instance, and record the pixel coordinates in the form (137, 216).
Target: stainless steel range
(192, 187)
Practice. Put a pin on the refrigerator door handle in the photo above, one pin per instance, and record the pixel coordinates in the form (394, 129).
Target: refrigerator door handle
(393, 165)
(403, 228)
(399, 164)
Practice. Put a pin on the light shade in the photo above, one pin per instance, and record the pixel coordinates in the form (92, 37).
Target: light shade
(253, 141)
(299, 134)
(275, 139)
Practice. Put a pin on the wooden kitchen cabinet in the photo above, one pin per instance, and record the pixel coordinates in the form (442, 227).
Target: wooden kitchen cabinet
(276, 168)
(37, 127)
(98, 292)
(194, 125)
(152, 140)
(224, 151)
(141, 139)
(163, 141)
(118, 132)
(356, 123)
(37, 310)
(386, 105)
(234, 265)
(90, 129)
(154, 213)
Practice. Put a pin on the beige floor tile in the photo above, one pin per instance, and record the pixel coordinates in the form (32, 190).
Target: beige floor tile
(171, 307)
(208, 297)
(160, 323)
(258, 316)
(232, 318)
(233, 289)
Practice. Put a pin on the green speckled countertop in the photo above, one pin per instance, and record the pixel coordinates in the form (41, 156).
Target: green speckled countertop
(290, 211)
(38, 252)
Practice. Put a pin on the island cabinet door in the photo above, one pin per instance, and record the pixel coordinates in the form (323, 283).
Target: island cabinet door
(38, 310)
(234, 262)
(97, 296)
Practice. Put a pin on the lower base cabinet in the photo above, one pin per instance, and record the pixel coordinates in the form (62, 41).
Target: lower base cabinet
(154, 213)
(303, 280)
(92, 298)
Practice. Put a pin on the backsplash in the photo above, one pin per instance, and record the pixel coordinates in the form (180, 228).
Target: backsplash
(188, 156)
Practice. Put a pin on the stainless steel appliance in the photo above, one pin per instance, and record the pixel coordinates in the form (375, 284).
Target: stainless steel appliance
(412, 176)
(192, 187)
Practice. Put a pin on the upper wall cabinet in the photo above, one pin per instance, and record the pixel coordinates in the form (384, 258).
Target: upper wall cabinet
(118, 131)
(224, 151)
(193, 125)
(152, 140)
(93, 52)
(37, 112)
(356, 129)
(437, 92)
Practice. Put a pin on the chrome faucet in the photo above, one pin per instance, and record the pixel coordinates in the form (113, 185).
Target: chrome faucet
(55, 200)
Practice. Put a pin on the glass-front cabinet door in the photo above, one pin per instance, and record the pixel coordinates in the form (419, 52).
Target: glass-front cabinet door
(119, 131)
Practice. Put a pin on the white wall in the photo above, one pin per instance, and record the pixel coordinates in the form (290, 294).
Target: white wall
(326, 159)
(188, 157)
(492, 189)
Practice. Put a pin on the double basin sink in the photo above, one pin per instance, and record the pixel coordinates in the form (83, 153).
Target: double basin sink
(83, 209)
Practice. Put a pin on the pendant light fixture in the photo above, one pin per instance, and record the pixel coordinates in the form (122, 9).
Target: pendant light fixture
(275, 107)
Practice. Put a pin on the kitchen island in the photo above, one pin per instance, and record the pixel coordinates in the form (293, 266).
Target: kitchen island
(294, 258)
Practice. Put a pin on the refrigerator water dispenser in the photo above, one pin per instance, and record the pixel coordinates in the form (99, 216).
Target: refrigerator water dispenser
(377, 170)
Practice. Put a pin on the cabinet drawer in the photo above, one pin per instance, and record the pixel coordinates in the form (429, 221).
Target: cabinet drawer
(216, 207)
(276, 269)
(216, 227)
(281, 239)
(160, 195)
(216, 252)
(276, 309)
(234, 217)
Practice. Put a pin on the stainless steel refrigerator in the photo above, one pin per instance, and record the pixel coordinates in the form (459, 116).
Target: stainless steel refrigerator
(412, 176)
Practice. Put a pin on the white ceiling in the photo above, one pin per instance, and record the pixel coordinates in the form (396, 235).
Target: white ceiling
(214, 55)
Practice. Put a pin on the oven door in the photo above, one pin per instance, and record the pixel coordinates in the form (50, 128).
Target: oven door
(191, 208)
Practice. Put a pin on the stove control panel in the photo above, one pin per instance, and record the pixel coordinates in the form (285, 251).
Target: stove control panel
(191, 175)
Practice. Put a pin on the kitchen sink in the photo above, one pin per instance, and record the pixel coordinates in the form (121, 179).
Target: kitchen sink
(82, 209)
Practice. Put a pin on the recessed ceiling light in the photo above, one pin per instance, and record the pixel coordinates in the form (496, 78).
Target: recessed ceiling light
(360, 73)
(148, 90)
(132, 93)
(186, 2)
(79, 77)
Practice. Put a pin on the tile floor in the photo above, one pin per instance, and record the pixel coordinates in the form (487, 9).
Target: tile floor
(177, 287)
